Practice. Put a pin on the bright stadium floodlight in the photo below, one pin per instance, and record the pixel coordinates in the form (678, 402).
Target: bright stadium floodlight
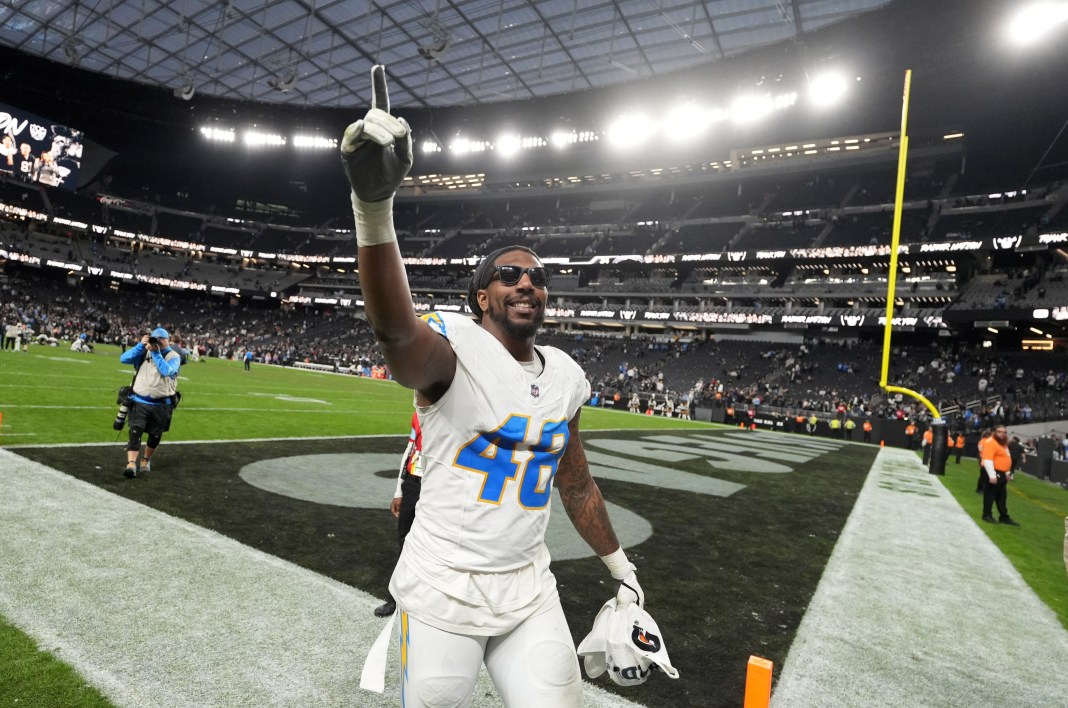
(827, 89)
(562, 138)
(255, 138)
(630, 130)
(1035, 22)
(509, 144)
(686, 121)
(748, 109)
(314, 142)
(460, 146)
(428, 146)
(225, 135)
(785, 100)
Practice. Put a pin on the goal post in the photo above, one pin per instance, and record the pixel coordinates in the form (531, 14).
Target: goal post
(938, 452)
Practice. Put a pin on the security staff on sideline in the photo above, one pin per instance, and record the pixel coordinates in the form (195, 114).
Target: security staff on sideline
(155, 390)
(813, 421)
(980, 485)
(997, 463)
(910, 435)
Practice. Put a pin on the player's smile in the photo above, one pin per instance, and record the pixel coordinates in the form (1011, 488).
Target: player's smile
(524, 306)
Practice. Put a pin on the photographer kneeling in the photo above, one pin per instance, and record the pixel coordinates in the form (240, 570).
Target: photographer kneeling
(155, 393)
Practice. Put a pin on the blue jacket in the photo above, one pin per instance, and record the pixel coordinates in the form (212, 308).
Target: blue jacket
(166, 368)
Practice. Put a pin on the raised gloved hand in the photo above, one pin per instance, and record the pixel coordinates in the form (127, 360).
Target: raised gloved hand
(376, 151)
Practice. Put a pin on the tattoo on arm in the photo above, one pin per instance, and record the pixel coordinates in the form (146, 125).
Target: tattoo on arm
(582, 497)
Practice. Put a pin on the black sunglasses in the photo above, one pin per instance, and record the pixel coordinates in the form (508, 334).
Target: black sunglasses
(511, 274)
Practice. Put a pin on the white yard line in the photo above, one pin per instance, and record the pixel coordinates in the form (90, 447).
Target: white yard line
(917, 607)
(156, 611)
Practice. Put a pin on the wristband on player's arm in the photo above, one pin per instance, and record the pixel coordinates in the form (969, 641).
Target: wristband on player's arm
(623, 571)
(618, 565)
(374, 221)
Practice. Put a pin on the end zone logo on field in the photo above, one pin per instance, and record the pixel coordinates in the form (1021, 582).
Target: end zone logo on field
(654, 460)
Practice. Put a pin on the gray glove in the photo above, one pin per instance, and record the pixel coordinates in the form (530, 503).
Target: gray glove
(376, 151)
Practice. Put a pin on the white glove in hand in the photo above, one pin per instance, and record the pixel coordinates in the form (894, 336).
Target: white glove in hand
(376, 151)
(629, 591)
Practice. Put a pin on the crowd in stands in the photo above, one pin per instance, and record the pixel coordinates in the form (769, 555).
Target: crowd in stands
(816, 375)
(821, 376)
(215, 327)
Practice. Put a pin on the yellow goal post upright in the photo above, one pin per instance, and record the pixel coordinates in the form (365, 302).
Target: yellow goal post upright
(938, 447)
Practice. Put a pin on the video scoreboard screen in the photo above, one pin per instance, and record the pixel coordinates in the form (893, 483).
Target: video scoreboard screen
(35, 149)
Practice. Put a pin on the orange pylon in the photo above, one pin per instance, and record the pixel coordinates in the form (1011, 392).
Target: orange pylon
(758, 682)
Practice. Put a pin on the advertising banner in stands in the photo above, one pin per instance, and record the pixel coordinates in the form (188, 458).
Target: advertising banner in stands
(1009, 242)
(35, 149)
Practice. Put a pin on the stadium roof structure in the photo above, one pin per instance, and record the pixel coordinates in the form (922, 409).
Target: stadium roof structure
(451, 53)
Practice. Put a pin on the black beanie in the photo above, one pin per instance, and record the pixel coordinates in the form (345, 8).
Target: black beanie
(483, 274)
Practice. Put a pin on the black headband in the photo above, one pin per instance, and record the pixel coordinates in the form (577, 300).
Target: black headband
(483, 274)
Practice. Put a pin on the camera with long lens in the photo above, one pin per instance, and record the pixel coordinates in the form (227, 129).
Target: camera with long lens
(120, 417)
(124, 407)
(153, 340)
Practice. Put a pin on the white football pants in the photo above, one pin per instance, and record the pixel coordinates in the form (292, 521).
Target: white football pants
(533, 666)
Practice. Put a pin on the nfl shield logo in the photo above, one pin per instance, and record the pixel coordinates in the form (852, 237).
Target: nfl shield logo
(534, 390)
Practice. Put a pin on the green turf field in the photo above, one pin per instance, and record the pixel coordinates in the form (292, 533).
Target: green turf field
(731, 531)
(51, 395)
(1036, 548)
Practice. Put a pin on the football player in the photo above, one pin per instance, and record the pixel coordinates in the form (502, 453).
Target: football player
(500, 421)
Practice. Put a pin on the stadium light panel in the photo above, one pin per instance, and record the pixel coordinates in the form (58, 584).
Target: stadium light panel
(686, 121)
(630, 130)
(255, 138)
(508, 145)
(1035, 22)
(428, 146)
(225, 135)
(785, 100)
(827, 89)
(749, 109)
(562, 138)
(462, 146)
(315, 142)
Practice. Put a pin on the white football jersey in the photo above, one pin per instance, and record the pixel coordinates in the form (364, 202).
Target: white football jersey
(491, 446)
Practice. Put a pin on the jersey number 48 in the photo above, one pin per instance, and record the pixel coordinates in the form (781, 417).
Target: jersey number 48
(505, 454)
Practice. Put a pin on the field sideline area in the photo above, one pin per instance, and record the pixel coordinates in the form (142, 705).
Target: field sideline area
(244, 568)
